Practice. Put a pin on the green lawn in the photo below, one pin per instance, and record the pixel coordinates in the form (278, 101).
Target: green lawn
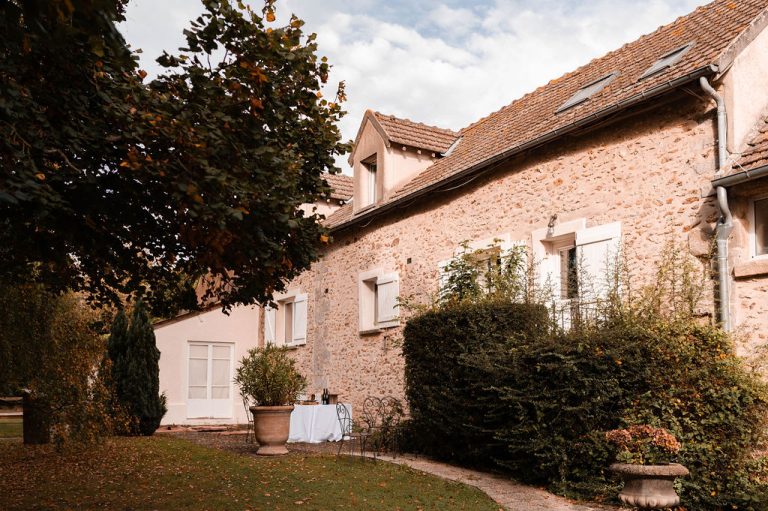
(167, 473)
(10, 428)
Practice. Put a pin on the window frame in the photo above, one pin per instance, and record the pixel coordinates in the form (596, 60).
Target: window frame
(548, 242)
(286, 310)
(586, 92)
(220, 408)
(671, 57)
(369, 300)
(753, 228)
(482, 252)
(371, 180)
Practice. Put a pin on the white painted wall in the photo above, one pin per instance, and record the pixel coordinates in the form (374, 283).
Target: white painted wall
(396, 165)
(746, 91)
(241, 328)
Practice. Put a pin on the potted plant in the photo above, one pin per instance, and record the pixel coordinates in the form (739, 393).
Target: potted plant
(268, 378)
(644, 457)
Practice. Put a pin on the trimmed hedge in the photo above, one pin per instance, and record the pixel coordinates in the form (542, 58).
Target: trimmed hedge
(444, 396)
(487, 384)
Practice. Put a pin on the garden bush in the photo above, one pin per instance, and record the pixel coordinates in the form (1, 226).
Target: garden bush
(51, 349)
(484, 384)
(498, 383)
(445, 398)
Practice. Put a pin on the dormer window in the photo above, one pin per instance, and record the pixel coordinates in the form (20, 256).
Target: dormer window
(370, 177)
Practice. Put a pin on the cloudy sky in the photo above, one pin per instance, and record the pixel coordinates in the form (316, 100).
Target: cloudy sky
(441, 62)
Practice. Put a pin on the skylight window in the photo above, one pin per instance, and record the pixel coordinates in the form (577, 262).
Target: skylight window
(668, 60)
(587, 91)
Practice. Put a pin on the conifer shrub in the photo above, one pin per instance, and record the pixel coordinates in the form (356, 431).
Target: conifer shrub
(135, 371)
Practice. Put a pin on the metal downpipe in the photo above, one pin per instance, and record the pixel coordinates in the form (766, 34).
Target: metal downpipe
(725, 223)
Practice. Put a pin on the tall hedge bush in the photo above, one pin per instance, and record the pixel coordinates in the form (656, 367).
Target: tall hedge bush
(445, 397)
(487, 382)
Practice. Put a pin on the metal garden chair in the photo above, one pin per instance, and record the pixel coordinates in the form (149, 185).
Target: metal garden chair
(350, 431)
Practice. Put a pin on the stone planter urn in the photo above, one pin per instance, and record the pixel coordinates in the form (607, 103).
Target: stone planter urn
(271, 425)
(649, 486)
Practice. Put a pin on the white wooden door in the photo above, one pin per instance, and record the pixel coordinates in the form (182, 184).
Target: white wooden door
(209, 388)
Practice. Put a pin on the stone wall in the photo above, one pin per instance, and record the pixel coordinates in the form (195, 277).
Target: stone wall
(650, 172)
(749, 292)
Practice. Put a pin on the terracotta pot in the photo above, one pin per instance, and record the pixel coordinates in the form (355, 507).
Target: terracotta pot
(649, 486)
(271, 425)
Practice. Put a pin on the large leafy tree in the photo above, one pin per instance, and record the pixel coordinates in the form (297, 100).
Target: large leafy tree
(113, 186)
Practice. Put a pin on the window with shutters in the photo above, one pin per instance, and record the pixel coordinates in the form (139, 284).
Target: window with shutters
(577, 265)
(484, 267)
(286, 324)
(378, 301)
(759, 228)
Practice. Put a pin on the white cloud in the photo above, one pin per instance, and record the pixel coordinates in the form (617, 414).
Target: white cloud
(439, 64)
(458, 21)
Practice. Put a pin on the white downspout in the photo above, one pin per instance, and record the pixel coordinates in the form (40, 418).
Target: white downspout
(725, 223)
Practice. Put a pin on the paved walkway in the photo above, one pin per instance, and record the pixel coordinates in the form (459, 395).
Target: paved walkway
(510, 494)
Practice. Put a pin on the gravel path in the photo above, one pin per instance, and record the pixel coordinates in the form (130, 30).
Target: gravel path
(508, 493)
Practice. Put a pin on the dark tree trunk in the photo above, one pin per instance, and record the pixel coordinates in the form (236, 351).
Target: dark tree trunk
(36, 425)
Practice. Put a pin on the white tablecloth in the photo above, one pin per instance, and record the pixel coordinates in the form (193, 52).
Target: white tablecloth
(315, 424)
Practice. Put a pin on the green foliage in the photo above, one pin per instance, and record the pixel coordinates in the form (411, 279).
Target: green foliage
(445, 397)
(114, 186)
(537, 399)
(488, 274)
(268, 377)
(135, 370)
(54, 352)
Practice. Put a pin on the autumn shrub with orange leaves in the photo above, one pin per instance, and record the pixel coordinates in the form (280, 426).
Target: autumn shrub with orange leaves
(642, 444)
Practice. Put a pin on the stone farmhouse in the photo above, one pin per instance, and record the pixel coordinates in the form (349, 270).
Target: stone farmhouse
(665, 138)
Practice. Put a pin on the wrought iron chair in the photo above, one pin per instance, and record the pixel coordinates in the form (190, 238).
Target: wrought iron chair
(350, 431)
(391, 414)
(250, 433)
(371, 422)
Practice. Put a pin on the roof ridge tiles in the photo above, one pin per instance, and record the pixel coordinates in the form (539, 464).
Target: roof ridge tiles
(415, 123)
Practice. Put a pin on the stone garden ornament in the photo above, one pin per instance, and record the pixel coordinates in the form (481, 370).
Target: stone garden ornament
(644, 464)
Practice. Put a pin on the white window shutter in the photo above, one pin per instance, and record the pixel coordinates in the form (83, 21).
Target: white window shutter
(387, 293)
(299, 320)
(270, 317)
(598, 251)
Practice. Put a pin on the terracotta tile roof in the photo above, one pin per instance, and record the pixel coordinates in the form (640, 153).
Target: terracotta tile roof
(343, 186)
(416, 134)
(339, 217)
(756, 153)
(718, 30)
